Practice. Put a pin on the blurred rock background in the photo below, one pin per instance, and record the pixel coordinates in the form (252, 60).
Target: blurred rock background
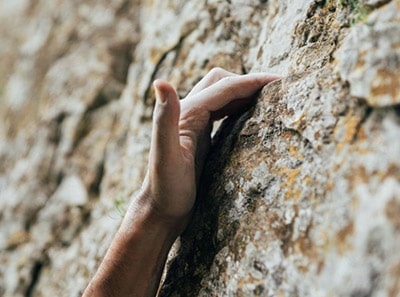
(301, 195)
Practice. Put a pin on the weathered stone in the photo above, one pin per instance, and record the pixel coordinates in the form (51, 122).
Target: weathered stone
(370, 58)
(300, 196)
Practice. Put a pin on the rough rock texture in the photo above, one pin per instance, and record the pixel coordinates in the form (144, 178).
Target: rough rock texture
(301, 195)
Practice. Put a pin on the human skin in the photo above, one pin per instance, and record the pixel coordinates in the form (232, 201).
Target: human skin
(161, 211)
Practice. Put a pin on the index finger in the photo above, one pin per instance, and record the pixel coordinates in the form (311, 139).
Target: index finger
(211, 78)
(231, 88)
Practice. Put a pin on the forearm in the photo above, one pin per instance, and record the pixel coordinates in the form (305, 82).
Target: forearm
(134, 263)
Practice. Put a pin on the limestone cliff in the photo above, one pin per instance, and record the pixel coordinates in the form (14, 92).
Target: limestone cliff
(301, 194)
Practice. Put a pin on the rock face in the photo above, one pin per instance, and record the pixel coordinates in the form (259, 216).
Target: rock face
(301, 194)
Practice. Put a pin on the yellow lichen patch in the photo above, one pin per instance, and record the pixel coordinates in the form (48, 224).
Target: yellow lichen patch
(17, 239)
(342, 238)
(157, 52)
(363, 151)
(280, 293)
(294, 152)
(287, 135)
(361, 134)
(385, 88)
(361, 59)
(304, 246)
(358, 175)
(293, 194)
(292, 175)
(155, 55)
(351, 123)
(393, 170)
(291, 180)
(395, 46)
(329, 185)
(392, 211)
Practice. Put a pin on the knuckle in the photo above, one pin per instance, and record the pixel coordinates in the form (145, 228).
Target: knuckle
(229, 80)
(217, 73)
(258, 83)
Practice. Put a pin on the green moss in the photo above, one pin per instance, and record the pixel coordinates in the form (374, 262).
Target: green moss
(359, 11)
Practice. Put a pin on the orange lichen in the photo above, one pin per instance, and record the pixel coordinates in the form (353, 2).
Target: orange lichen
(307, 180)
(393, 170)
(361, 134)
(363, 151)
(361, 59)
(329, 185)
(17, 239)
(385, 83)
(294, 152)
(287, 135)
(351, 123)
(342, 238)
(293, 194)
(155, 55)
(290, 182)
(392, 211)
(304, 246)
(292, 175)
(358, 175)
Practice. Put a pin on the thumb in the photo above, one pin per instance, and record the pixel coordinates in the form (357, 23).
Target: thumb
(165, 133)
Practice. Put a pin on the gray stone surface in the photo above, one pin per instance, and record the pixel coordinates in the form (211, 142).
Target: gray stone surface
(300, 196)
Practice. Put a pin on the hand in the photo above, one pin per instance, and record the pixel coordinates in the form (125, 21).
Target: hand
(181, 138)
(180, 141)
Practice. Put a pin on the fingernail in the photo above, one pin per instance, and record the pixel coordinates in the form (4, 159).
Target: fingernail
(159, 95)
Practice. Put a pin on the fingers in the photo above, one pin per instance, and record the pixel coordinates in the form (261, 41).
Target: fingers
(228, 89)
(211, 77)
(165, 133)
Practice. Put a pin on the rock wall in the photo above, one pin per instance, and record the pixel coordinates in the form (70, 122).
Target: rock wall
(301, 195)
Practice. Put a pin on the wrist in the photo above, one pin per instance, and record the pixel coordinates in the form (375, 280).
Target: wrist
(143, 213)
(136, 257)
